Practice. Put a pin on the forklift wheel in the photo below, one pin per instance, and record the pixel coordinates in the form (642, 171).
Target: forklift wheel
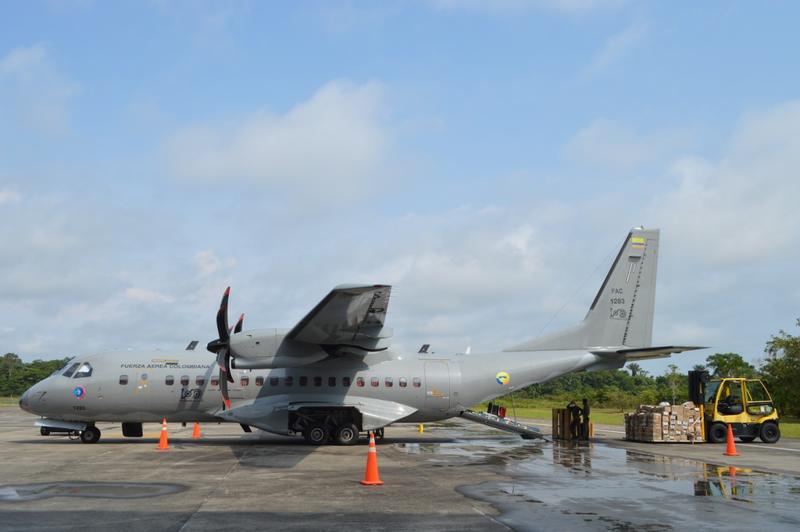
(717, 432)
(770, 433)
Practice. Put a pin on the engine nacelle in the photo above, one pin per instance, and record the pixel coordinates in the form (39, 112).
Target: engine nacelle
(269, 348)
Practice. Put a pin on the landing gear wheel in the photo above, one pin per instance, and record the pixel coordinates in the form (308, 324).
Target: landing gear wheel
(44, 431)
(717, 432)
(346, 434)
(379, 433)
(746, 439)
(770, 432)
(90, 435)
(316, 434)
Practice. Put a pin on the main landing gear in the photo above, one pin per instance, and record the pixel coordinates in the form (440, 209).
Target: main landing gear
(321, 425)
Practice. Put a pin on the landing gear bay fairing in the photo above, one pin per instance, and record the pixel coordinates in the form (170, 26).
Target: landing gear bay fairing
(333, 375)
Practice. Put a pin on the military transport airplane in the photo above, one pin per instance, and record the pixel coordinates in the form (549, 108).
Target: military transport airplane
(332, 375)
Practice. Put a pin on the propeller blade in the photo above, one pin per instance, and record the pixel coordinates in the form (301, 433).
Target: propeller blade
(224, 375)
(222, 317)
(228, 365)
(239, 325)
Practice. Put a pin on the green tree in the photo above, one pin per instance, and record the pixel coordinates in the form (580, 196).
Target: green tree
(674, 381)
(730, 365)
(781, 371)
(635, 369)
(17, 376)
(699, 367)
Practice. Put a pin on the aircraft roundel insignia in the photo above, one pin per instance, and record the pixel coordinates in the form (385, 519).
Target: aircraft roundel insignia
(79, 392)
(502, 378)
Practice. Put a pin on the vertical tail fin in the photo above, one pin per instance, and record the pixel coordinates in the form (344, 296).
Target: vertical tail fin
(622, 311)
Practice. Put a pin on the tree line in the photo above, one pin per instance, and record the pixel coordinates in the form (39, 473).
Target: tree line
(17, 376)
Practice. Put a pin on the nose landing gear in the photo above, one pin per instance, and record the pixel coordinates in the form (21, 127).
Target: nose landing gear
(90, 434)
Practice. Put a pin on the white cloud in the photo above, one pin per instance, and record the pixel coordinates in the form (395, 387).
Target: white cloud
(615, 145)
(8, 195)
(147, 296)
(742, 207)
(329, 146)
(207, 262)
(616, 47)
(35, 93)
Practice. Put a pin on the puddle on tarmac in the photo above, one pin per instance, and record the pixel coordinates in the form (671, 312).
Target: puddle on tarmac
(93, 490)
(557, 486)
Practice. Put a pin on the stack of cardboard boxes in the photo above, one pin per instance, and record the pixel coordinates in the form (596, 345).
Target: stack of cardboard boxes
(669, 423)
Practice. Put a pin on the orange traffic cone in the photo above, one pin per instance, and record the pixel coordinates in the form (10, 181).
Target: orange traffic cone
(371, 477)
(730, 447)
(196, 431)
(163, 442)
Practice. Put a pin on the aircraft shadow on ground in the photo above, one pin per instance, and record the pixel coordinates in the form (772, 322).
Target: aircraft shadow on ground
(256, 451)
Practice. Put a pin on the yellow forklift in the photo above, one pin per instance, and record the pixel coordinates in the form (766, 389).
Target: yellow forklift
(743, 403)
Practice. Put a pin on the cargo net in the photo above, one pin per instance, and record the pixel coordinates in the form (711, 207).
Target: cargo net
(668, 423)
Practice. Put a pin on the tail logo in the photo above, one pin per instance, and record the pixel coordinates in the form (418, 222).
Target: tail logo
(502, 378)
(618, 314)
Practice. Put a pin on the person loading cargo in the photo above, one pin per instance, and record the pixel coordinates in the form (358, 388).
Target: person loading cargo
(574, 420)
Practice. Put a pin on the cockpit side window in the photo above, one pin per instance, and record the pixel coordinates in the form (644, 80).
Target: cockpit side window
(71, 369)
(85, 370)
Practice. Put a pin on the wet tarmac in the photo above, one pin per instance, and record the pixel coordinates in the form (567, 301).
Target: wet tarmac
(455, 476)
(96, 490)
(597, 487)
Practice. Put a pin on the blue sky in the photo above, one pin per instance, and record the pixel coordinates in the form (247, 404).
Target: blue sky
(485, 158)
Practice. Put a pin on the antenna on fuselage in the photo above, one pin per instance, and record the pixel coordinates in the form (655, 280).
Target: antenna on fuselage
(424, 349)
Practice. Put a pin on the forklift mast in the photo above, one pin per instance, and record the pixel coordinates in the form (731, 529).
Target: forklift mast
(697, 386)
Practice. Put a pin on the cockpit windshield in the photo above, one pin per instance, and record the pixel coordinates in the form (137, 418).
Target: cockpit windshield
(63, 367)
(85, 370)
(71, 369)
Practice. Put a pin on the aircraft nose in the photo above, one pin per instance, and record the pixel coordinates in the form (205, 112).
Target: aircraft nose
(24, 402)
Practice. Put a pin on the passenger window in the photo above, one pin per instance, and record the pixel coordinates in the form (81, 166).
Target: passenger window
(331, 381)
(72, 369)
(360, 382)
(184, 380)
(259, 381)
(345, 381)
(417, 382)
(85, 370)
(374, 381)
(317, 381)
(244, 381)
(123, 379)
(199, 381)
(273, 381)
(288, 381)
(302, 381)
(214, 381)
(388, 382)
(169, 380)
(403, 382)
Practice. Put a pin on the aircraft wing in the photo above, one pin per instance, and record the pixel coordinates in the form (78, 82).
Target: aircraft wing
(643, 353)
(349, 316)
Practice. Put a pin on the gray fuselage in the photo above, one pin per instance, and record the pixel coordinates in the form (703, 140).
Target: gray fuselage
(135, 386)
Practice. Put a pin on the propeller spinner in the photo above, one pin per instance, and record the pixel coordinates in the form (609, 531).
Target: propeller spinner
(221, 346)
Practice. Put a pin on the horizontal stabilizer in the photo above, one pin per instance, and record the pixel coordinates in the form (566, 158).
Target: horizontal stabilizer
(643, 353)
